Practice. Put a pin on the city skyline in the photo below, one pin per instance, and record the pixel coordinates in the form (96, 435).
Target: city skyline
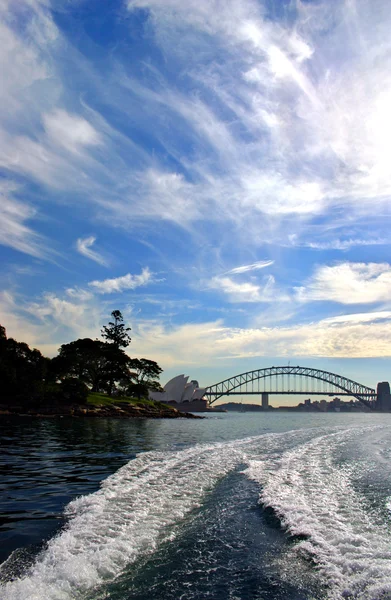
(218, 171)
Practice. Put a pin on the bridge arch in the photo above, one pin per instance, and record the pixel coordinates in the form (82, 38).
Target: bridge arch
(239, 384)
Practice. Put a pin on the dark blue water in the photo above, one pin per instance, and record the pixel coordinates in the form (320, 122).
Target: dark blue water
(244, 506)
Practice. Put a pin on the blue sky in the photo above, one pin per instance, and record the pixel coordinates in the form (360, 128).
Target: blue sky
(217, 170)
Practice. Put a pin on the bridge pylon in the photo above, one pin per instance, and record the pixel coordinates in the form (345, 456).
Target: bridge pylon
(383, 397)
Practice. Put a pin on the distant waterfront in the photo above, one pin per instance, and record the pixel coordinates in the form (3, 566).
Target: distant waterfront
(334, 405)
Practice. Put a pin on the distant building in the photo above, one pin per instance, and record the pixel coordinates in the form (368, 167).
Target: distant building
(181, 394)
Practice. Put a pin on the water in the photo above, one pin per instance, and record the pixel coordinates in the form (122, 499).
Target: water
(245, 506)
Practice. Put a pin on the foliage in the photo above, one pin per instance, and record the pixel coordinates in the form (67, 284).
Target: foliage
(74, 390)
(117, 338)
(143, 375)
(82, 359)
(95, 363)
(22, 371)
(116, 332)
(67, 391)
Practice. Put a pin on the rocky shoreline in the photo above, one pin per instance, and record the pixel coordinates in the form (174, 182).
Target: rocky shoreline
(118, 410)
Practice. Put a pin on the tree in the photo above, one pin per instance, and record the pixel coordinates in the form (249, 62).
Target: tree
(95, 363)
(22, 371)
(117, 335)
(116, 332)
(81, 359)
(143, 375)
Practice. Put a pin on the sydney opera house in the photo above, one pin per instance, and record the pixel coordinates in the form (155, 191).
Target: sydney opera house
(184, 395)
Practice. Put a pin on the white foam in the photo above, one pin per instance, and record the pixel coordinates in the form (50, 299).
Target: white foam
(144, 503)
(129, 516)
(314, 499)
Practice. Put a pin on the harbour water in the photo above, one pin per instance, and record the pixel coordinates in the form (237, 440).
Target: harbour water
(244, 506)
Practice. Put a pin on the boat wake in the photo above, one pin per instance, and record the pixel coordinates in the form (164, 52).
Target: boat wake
(333, 525)
(301, 477)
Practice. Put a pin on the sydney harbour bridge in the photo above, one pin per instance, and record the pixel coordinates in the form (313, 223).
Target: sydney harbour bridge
(291, 380)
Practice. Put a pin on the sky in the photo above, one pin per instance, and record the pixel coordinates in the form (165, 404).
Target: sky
(218, 170)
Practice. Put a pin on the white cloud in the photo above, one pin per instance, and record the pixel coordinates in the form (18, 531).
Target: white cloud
(79, 294)
(13, 230)
(353, 338)
(50, 321)
(316, 126)
(349, 283)
(120, 284)
(84, 245)
(360, 317)
(62, 311)
(22, 64)
(253, 267)
(271, 133)
(69, 130)
(246, 291)
(54, 320)
(342, 244)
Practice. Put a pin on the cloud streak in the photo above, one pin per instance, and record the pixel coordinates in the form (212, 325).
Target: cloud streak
(84, 246)
(123, 283)
(13, 229)
(247, 291)
(253, 267)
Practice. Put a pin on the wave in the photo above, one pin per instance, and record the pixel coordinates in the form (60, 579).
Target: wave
(145, 502)
(136, 509)
(332, 524)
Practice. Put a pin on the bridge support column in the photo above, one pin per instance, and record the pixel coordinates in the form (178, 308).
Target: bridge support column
(265, 400)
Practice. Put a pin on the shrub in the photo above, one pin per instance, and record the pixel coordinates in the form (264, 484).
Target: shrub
(73, 391)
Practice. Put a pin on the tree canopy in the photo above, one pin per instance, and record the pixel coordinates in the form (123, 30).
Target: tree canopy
(22, 370)
(81, 365)
(143, 375)
(116, 332)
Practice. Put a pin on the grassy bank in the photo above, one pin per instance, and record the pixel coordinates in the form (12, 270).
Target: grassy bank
(98, 399)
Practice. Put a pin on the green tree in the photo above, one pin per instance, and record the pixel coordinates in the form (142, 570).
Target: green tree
(118, 338)
(116, 332)
(82, 359)
(95, 363)
(22, 371)
(143, 375)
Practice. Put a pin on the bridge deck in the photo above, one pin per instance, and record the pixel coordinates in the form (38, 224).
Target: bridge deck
(292, 393)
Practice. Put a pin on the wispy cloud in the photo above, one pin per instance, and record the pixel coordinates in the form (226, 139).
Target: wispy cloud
(49, 321)
(58, 319)
(345, 244)
(248, 161)
(370, 317)
(329, 161)
(84, 246)
(120, 284)
(70, 131)
(253, 267)
(13, 229)
(215, 342)
(246, 291)
(349, 283)
(255, 134)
